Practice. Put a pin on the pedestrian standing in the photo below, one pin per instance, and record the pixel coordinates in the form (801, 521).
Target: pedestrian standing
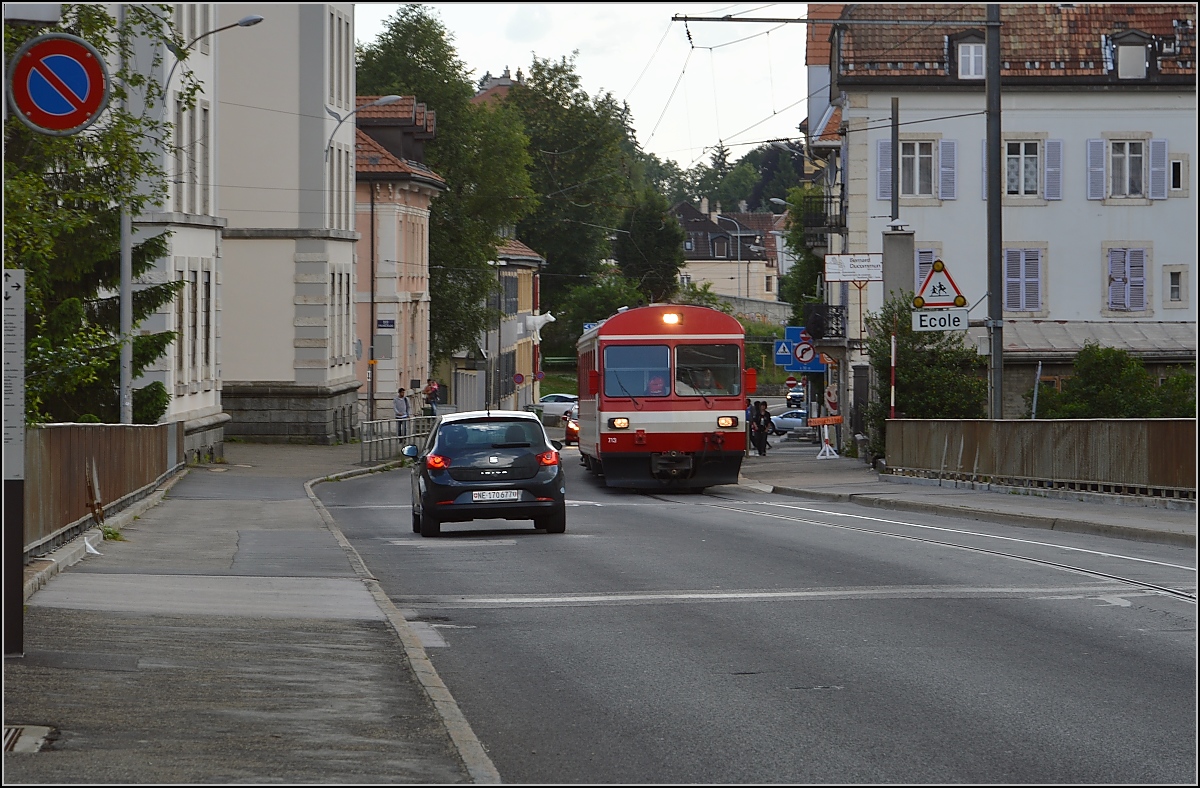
(400, 408)
(762, 423)
(431, 396)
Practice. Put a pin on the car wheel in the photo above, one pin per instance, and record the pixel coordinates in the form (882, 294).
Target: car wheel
(555, 523)
(416, 518)
(430, 525)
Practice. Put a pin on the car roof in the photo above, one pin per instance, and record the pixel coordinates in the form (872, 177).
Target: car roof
(493, 415)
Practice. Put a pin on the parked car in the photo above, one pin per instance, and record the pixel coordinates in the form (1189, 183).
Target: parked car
(481, 465)
(793, 420)
(555, 405)
(570, 422)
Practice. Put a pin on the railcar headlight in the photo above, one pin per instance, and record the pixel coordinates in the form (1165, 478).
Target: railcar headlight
(619, 423)
(727, 421)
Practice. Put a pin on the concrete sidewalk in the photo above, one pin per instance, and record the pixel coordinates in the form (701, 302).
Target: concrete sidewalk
(234, 636)
(792, 468)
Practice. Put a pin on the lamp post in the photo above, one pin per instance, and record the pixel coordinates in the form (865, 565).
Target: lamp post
(738, 241)
(379, 102)
(371, 371)
(125, 395)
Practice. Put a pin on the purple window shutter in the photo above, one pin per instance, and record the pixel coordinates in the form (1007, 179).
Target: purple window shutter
(1117, 280)
(1033, 280)
(1158, 169)
(1053, 175)
(1096, 176)
(948, 169)
(1012, 280)
(1137, 279)
(924, 262)
(883, 170)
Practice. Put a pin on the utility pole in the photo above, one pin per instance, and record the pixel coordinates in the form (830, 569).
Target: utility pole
(995, 241)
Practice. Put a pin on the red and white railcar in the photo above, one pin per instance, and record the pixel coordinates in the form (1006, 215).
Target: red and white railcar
(662, 397)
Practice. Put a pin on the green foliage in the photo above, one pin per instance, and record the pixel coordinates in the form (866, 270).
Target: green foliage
(1110, 383)
(701, 295)
(650, 250)
(598, 299)
(582, 169)
(760, 348)
(560, 383)
(62, 220)
(481, 151)
(799, 286)
(937, 375)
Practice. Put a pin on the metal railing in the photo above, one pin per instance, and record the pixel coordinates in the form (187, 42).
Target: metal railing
(381, 440)
(1142, 457)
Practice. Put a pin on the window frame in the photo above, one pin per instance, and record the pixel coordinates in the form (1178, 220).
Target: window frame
(913, 164)
(976, 56)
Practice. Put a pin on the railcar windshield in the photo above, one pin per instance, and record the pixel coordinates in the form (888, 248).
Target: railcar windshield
(707, 370)
(637, 371)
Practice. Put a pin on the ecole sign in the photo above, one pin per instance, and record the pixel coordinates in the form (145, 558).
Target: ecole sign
(940, 320)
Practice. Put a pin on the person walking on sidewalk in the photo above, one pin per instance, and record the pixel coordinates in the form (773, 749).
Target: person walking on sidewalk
(400, 408)
(750, 408)
(761, 426)
(431, 396)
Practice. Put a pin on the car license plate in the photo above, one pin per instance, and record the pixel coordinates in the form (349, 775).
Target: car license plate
(496, 495)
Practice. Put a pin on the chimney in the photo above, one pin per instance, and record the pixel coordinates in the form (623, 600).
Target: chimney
(703, 205)
(713, 216)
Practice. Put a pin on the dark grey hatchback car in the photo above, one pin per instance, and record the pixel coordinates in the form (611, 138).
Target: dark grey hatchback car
(481, 465)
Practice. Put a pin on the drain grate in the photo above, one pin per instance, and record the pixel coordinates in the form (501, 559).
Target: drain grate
(24, 738)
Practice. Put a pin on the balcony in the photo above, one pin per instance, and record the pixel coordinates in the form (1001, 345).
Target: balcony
(825, 321)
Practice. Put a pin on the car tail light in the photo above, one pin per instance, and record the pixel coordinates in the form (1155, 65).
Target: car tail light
(548, 458)
(436, 462)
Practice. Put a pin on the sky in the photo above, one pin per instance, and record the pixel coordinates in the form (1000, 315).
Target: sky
(740, 83)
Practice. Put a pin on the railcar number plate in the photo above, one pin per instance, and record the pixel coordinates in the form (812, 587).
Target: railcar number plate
(496, 495)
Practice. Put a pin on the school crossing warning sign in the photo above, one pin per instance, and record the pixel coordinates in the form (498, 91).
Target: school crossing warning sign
(938, 289)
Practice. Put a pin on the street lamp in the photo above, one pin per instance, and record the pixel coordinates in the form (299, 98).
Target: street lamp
(738, 241)
(379, 102)
(125, 395)
(181, 52)
(778, 201)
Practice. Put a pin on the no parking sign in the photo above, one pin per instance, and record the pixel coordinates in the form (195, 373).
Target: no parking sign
(58, 84)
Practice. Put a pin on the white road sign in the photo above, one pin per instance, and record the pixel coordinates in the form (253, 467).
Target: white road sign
(854, 267)
(939, 320)
(14, 373)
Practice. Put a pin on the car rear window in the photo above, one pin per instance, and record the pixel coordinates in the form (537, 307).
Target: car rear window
(467, 436)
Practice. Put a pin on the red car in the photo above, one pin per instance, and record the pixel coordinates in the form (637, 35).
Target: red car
(570, 421)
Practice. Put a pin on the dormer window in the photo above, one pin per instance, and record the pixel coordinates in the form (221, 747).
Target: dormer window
(1131, 62)
(971, 61)
(720, 247)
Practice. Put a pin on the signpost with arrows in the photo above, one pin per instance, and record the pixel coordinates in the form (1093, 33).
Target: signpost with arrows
(14, 459)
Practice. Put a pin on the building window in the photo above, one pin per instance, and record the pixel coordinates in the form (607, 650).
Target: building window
(208, 323)
(770, 283)
(1021, 169)
(1131, 62)
(180, 149)
(1176, 285)
(1127, 160)
(1176, 175)
(970, 61)
(916, 169)
(194, 328)
(687, 244)
(720, 247)
(180, 313)
(1022, 280)
(685, 280)
(204, 159)
(1127, 280)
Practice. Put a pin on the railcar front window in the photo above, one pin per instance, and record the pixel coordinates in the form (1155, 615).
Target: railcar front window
(637, 371)
(708, 370)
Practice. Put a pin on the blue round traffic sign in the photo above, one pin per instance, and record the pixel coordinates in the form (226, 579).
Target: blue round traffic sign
(58, 84)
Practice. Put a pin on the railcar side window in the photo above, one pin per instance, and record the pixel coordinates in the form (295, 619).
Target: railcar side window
(708, 370)
(637, 371)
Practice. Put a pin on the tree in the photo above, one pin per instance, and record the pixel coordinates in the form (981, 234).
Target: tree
(599, 298)
(937, 375)
(61, 225)
(650, 248)
(481, 151)
(701, 295)
(582, 169)
(1110, 383)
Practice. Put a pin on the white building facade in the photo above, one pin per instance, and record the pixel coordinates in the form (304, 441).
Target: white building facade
(1098, 109)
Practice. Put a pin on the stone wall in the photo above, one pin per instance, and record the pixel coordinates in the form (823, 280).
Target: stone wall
(291, 413)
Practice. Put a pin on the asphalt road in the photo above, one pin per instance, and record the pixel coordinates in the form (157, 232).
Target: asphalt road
(736, 638)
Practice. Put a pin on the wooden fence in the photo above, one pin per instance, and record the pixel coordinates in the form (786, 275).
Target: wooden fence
(69, 468)
(1147, 457)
